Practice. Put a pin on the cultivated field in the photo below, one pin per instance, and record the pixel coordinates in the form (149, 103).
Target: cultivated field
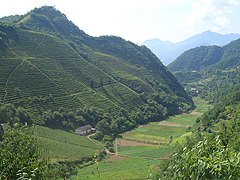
(117, 167)
(140, 149)
(60, 145)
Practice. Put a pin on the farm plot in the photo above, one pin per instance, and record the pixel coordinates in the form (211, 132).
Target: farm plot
(156, 140)
(154, 134)
(117, 167)
(61, 145)
(181, 120)
(142, 148)
(149, 152)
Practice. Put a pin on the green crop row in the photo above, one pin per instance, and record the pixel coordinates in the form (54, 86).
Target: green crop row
(62, 145)
(46, 65)
(120, 168)
(146, 151)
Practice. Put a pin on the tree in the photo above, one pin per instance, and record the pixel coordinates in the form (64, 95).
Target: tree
(101, 82)
(10, 114)
(92, 84)
(207, 159)
(22, 116)
(20, 156)
(7, 113)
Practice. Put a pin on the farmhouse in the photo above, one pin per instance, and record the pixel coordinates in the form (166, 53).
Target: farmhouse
(3, 128)
(85, 130)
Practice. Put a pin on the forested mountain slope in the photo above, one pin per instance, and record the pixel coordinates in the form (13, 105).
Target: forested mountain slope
(203, 57)
(197, 59)
(48, 63)
(209, 70)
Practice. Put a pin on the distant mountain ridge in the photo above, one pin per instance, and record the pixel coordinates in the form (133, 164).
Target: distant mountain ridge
(204, 57)
(168, 51)
(197, 59)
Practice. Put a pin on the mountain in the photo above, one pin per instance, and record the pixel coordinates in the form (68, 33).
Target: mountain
(48, 63)
(168, 51)
(160, 48)
(211, 70)
(197, 58)
(204, 57)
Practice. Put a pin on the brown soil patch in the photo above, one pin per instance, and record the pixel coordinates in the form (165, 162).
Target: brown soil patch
(166, 157)
(116, 158)
(165, 123)
(122, 142)
(195, 113)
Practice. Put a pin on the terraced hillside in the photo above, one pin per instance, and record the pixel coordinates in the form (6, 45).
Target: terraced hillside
(48, 63)
(41, 65)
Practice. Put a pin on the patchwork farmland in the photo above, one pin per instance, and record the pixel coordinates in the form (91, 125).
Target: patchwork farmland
(139, 150)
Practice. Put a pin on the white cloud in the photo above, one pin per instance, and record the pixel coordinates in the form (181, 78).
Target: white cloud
(131, 19)
(137, 20)
(222, 21)
(210, 14)
(220, 24)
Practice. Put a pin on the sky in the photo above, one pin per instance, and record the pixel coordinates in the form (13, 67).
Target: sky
(140, 20)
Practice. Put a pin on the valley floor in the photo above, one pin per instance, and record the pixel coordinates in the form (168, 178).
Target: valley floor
(140, 149)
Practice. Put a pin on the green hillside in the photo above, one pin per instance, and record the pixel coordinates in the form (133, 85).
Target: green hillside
(231, 55)
(41, 65)
(205, 57)
(197, 59)
(59, 145)
(209, 70)
(48, 63)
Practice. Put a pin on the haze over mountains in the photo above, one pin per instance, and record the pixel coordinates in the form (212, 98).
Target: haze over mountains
(168, 51)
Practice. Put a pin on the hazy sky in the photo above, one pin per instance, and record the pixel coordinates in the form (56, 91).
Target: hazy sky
(139, 20)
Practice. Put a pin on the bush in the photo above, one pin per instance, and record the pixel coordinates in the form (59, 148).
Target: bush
(20, 156)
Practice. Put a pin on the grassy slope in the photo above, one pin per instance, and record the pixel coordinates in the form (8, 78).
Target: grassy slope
(126, 168)
(149, 152)
(61, 145)
(117, 67)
